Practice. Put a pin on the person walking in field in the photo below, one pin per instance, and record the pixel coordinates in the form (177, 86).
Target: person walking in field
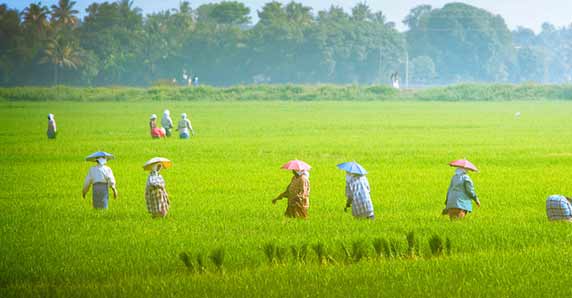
(184, 127)
(52, 129)
(167, 122)
(156, 132)
(357, 190)
(101, 177)
(461, 191)
(156, 194)
(298, 191)
(559, 208)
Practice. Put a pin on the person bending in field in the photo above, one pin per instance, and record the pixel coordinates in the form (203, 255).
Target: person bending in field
(185, 128)
(298, 194)
(101, 177)
(558, 207)
(167, 122)
(460, 195)
(156, 194)
(156, 132)
(358, 196)
(52, 129)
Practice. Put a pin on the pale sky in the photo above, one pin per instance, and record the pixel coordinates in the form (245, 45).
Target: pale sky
(527, 13)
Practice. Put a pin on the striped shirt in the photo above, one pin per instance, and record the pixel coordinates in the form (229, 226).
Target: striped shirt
(358, 194)
(558, 208)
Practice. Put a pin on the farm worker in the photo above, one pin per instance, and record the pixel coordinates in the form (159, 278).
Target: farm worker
(298, 194)
(185, 127)
(156, 132)
(358, 196)
(101, 177)
(52, 129)
(558, 207)
(155, 192)
(167, 122)
(357, 190)
(460, 194)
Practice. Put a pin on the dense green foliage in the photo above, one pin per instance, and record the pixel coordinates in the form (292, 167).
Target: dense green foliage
(466, 92)
(222, 181)
(115, 44)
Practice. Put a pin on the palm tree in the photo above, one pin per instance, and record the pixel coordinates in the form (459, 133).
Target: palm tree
(61, 55)
(36, 18)
(64, 14)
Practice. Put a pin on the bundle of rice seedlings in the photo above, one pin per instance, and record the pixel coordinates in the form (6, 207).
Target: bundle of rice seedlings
(436, 245)
(217, 257)
(187, 261)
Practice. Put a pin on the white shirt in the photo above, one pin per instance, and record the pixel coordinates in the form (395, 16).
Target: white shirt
(184, 126)
(99, 174)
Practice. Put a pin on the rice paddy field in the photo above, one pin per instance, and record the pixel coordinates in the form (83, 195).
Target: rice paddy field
(53, 243)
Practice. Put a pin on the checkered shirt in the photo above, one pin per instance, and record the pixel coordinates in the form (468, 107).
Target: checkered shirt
(155, 194)
(558, 208)
(357, 190)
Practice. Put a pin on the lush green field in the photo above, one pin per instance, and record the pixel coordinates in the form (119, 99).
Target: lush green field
(52, 243)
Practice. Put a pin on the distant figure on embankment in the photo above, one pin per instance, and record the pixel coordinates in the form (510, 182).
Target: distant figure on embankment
(52, 129)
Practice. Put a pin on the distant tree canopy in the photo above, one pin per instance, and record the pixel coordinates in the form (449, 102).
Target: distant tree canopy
(115, 44)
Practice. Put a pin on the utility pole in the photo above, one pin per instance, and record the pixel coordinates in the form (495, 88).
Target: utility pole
(379, 65)
(406, 69)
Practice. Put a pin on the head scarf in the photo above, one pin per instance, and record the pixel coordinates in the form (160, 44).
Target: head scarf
(184, 115)
(153, 116)
(101, 161)
(459, 171)
(166, 113)
(156, 168)
(303, 172)
(50, 116)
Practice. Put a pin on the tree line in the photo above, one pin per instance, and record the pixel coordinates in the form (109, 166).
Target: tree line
(115, 44)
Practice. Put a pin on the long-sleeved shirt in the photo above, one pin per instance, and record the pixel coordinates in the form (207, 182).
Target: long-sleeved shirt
(558, 208)
(298, 192)
(166, 122)
(461, 192)
(358, 194)
(184, 126)
(52, 126)
(99, 174)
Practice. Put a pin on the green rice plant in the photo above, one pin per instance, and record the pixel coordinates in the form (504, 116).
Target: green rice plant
(448, 246)
(201, 265)
(359, 251)
(303, 253)
(281, 254)
(321, 254)
(412, 245)
(185, 258)
(270, 252)
(299, 253)
(347, 253)
(436, 245)
(378, 247)
(395, 248)
(217, 257)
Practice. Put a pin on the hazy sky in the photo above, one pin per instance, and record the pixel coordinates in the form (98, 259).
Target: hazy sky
(528, 13)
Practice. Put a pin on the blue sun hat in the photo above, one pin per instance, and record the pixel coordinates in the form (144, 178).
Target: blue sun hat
(352, 167)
